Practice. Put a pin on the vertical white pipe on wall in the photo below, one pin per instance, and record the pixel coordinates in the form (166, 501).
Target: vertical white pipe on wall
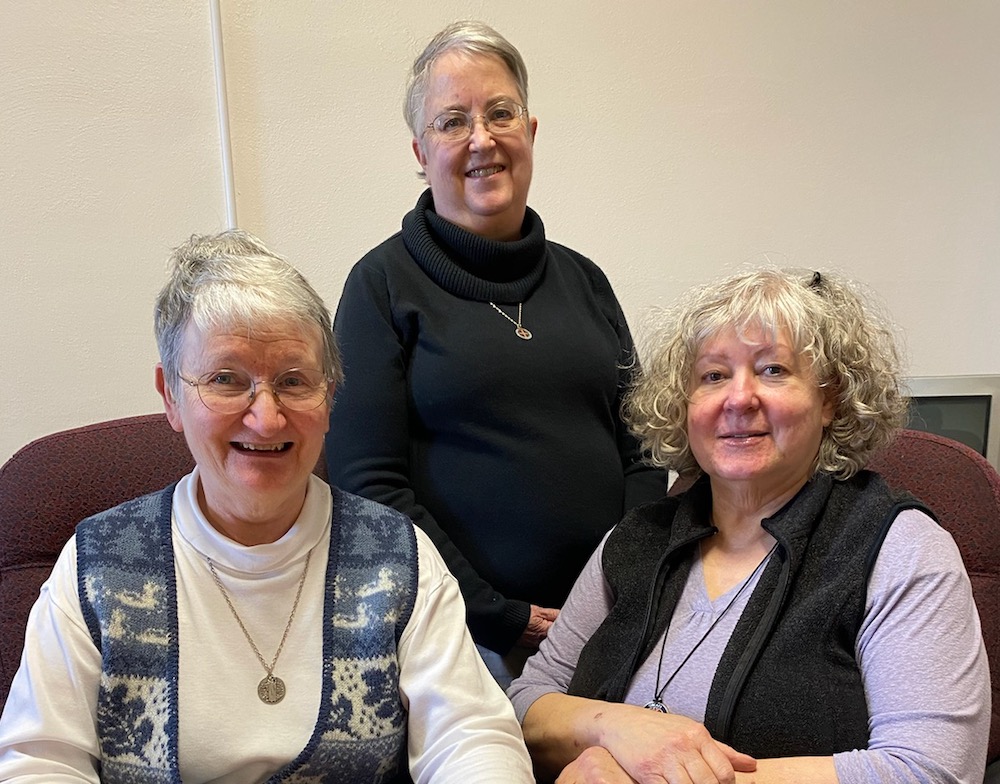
(228, 181)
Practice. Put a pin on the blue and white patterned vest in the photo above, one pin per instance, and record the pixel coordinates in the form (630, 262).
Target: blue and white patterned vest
(128, 596)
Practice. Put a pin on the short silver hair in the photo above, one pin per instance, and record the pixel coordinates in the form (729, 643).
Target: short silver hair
(470, 38)
(233, 279)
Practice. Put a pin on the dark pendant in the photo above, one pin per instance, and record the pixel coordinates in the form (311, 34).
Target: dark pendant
(271, 690)
(522, 333)
(656, 705)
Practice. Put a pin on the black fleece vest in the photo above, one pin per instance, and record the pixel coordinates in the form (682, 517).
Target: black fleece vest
(787, 683)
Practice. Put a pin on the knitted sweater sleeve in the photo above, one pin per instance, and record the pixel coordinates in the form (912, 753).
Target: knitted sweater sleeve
(643, 483)
(368, 444)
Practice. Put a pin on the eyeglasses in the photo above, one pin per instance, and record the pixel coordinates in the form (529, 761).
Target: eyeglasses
(232, 392)
(456, 126)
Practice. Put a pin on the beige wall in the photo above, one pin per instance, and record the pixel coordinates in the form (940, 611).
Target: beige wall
(676, 140)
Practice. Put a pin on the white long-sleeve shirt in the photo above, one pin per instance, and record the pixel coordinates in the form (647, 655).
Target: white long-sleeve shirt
(461, 727)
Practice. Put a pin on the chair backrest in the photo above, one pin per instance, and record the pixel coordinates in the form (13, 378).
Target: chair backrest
(53, 483)
(963, 490)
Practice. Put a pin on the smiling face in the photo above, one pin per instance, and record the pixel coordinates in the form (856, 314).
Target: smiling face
(254, 465)
(756, 413)
(480, 184)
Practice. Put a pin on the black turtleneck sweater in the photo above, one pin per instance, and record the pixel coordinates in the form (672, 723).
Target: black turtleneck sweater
(509, 453)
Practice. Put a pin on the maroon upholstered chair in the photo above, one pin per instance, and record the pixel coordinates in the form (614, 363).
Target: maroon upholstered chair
(56, 481)
(963, 490)
(53, 483)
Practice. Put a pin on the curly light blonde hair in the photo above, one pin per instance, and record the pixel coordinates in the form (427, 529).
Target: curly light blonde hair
(851, 348)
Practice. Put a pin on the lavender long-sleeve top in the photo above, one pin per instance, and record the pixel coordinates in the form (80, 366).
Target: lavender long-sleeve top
(920, 649)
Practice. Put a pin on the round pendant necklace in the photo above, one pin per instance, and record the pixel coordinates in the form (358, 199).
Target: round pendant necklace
(271, 689)
(519, 329)
(657, 704)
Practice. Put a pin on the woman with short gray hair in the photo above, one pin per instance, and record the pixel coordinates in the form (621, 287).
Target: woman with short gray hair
(250, 623)
(487, 363)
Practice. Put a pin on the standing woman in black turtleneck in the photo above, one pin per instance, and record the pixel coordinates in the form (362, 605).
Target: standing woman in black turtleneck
(485, 365)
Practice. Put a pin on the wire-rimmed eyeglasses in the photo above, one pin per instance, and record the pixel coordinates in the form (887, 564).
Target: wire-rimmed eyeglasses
(233, 391)
(456, 125)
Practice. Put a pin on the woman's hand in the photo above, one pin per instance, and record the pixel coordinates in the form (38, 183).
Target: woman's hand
(655, 748)
(649, 747)
(594, 766)
(539, 623)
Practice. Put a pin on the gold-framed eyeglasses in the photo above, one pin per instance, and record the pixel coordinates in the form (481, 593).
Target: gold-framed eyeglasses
(228, 391)
(456, 125)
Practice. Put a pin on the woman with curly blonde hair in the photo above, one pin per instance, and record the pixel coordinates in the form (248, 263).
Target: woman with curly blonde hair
(850, 349)
(789, 616)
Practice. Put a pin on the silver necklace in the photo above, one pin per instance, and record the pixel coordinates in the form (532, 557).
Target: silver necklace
(657, 704)
(519, 330)
(271, 689)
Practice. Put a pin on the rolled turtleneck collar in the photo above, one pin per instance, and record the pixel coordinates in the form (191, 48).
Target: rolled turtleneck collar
(474, 267)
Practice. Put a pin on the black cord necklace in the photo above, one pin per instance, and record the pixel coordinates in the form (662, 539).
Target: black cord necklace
(656, 704)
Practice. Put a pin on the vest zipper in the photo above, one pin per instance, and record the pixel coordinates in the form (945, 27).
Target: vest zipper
(760, 637)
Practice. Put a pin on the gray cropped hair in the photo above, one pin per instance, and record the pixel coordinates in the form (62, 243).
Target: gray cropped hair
(849, 343)
(233, 279)
(470, 38)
